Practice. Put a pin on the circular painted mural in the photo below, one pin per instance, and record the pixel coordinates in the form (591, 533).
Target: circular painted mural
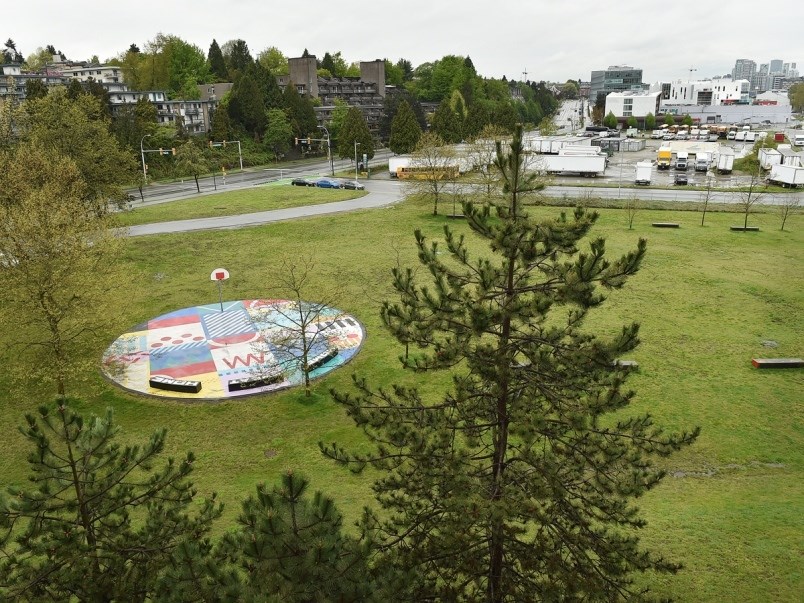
(232, 349)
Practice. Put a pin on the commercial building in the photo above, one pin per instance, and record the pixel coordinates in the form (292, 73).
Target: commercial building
(716, 91)
(632, 103)
(617, 78)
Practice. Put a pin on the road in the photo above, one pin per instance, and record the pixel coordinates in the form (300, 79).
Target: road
(172, 191)
(382, 193)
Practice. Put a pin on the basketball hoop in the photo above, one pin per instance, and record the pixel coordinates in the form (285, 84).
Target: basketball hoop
(219, 275)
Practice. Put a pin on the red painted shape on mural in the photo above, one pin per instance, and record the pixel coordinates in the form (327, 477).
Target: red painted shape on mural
(260, 359)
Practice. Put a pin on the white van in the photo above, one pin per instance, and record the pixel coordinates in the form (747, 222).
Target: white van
(798, 140)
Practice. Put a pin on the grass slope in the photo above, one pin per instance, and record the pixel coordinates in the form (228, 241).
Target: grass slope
(263, 198)
(706, 298)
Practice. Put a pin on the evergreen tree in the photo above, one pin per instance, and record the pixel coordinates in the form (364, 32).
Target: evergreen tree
(405, 130)
(391, 106)
(504, 116)
(97, 522)
(446, 123)
(247, 106)
(238, 58)
(271, 93)
(518, 484)
(300, 112)
(355, 129)
(610, 121)
(650, 121)
(478, 117)
(217, 64)
(221, 128)
(291, 548)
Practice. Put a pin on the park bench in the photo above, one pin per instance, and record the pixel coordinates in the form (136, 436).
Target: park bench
(777, 362)
(666, 225)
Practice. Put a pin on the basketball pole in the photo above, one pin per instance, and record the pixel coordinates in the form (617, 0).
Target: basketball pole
(220, 293)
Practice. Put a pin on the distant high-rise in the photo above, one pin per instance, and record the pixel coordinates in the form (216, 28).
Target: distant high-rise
(776, 66)
(744, 69)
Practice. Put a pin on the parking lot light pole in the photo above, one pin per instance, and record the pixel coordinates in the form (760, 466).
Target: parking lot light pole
(329, 150)
(142, 154)
(357, 144)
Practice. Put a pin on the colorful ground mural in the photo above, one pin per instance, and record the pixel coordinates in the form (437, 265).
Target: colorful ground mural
(231, 349)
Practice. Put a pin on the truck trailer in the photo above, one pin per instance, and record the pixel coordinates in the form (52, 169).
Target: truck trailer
(787, 175)
(725, 160)
(644, 169)
(585, 165)
(396, 162)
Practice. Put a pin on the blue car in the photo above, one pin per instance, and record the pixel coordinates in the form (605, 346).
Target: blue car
(327, 183)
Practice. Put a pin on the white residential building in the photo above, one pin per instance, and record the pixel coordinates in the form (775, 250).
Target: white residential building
(105, 74)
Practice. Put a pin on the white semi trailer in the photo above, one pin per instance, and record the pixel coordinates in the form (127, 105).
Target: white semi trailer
(584, 165)
(787, 175)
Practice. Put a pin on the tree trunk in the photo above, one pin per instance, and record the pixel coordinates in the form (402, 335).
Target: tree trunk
(197, 188)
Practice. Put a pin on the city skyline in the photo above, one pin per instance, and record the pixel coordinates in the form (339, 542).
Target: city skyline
(537, 41)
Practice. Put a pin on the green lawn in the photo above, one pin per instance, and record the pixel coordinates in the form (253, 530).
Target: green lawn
(731, 506)
(279, 195)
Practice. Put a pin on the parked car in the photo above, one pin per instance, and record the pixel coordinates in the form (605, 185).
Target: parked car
(682, 136)
(669, 136)
(353, 185)
(681, 179)
(302, 182)
(327, 183)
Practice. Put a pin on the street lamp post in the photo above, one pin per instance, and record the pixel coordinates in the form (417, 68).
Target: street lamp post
(357, 144)
(142, 154)
(329, 149)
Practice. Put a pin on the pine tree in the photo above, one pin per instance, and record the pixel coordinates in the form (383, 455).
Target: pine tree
(97, 521)
(405, 130)
(518, 484)
(291, 547)
(217, 64)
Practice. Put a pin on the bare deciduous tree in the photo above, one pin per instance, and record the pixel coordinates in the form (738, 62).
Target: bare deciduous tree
(294, 329)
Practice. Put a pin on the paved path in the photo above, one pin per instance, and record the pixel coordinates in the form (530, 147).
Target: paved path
(380, 195)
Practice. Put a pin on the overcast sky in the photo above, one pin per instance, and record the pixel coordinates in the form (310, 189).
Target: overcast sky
(554, 41)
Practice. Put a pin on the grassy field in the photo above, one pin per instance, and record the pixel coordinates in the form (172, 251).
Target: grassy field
(706, 298)
(278, 195)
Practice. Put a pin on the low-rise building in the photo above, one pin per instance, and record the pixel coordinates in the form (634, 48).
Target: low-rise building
(715, 92)
(632, 103)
